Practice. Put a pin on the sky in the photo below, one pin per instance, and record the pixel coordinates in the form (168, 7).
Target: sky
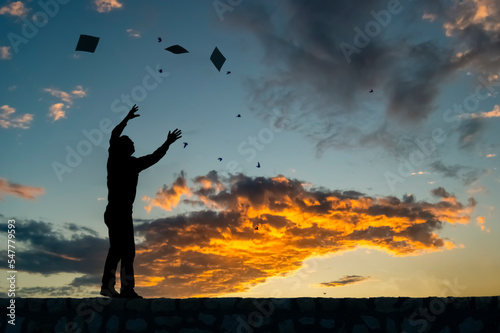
(375, 125)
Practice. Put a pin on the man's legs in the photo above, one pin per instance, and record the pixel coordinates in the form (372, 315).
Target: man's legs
(122, 247)
(127, 256)
(114, 256)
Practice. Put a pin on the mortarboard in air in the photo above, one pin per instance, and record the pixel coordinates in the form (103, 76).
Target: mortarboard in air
(217, 59)
(87, 43)
(177, 49)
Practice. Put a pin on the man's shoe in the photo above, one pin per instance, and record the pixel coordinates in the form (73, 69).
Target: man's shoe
(109, 292)
(129, 294)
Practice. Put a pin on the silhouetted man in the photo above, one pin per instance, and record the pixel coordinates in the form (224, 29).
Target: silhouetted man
(123, 173)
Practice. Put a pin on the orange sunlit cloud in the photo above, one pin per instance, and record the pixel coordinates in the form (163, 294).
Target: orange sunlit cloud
(15, 8)
(480, 222)
(167, 198)
(7, 120)
(5, 52)
(495, 113)
(22, 191)
(104, 6)
(250, 229)
(478, 13)
(58, 110)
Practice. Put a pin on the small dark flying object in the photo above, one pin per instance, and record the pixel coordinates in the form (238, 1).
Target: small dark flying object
(220, 158)
(87, 43)
(258, 164)
(228, 72)
(238, 116)
(185, 144)
(176, 49)
(371, 90)
(159, 39)
(160, 70)
(256, 228)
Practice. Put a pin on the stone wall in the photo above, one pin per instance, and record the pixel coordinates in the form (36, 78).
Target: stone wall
(244, 315)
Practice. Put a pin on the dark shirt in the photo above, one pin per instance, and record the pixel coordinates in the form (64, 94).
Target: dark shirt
(123, 174)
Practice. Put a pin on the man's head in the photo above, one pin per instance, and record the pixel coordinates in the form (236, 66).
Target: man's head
(125, 145)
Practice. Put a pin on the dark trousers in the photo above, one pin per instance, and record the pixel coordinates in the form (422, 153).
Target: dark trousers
(121, 247)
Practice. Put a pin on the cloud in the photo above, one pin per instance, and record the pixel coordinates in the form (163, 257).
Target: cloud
(307, 73)
(6, 121)
(86, 280)
(472, 13)
(470, 133)
(476, 190)
(467, 174)
(79, 92)
(21, 191)
(480, 222)
(242, 231)
(345, 280)
(105, 6)
(473, 27)
(52, 249)
(133, 33)
(58, 110)
(14, 9)
(57, 292)
(167, 198)
(249, 229)
(64, 96)
(5, 52)
(495, 113)
(450, 171)
(419, 173)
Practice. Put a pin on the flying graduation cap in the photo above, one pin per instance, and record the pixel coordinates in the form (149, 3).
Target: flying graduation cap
(177, 49)
(87, 43)
(217, 59)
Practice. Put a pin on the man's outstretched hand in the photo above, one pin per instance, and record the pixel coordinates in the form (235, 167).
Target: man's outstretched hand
(131, 114)
(174, 136)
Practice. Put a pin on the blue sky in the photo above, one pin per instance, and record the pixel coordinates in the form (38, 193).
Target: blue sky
(398, 165)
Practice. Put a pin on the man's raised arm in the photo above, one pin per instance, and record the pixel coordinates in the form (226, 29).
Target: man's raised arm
(117, 131)
(148, 160)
